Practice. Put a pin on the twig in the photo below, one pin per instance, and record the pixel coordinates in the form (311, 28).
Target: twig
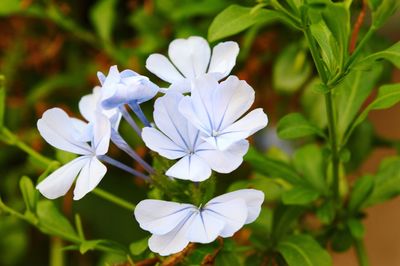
(357, 26)
(209, 259)
(179, 257)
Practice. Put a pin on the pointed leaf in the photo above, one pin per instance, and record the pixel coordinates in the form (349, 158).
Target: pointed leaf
(295, 125)
(303, 250)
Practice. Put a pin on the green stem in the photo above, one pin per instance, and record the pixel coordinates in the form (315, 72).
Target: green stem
(114, 199)
(361, 252)
(12, 139)
(329, 109)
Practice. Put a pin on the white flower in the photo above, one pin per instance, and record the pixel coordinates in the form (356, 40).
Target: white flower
(178, 139)
(215, 109)
(72, 135)
(125, 87)
(191, 58)
(174, 225)
(90, 104)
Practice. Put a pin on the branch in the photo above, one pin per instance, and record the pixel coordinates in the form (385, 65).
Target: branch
(357, 26)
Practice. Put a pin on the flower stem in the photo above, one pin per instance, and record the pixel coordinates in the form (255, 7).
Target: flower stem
(124, 167)
(114, 199)
(130, 121)
(139, 113)
(361, 252)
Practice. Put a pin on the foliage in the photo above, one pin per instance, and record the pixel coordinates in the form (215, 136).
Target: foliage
(328, 134)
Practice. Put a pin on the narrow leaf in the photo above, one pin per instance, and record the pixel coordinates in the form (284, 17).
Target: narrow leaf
(103, 17)
(299, 196)
(29, 193)
(295, 125)
(235, 19)
(392, 54)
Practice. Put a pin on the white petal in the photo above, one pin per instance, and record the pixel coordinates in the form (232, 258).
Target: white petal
(223, 58)
(173, 242)
(158, 142)
(112, 77)
(161, 217)
(88, 106)
(182, 86)
(190, 167)
(84, 130)
(191, 56)
(59, 182)
(101, 134)
(57, 128)
(253, 198)
(205, 227)
(199, 107)
(160, 66)
(231, 100)
(101, 77)
(241, 129)
(169, 120)
(223, 161)
(90, 176)
(233, 213)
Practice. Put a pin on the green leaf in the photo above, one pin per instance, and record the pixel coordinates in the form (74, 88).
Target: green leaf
(303, 250)
(386, 182)
(356, 228)
(284, 219)
(29, 193)
(291, 69)
(392, 54)
(52, 222)
(309, 162)
(388, 96)
(351, 94)
(235, 19)
(331, 29)
(103, 16)
(362, 189)
(272, 168)
(138, 247)
(382, 10)
(295, 125)
(2, 101)
(8, 7)
(299, 196)
(313, 104)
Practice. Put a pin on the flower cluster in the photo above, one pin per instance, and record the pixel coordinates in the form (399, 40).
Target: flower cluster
(200, 120)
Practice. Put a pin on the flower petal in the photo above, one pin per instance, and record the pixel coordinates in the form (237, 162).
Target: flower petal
(199, 107)
(90, 176)
(60, 181)
(57, 128)
(170, 121)
(161, 217)
(223, 161)
(160, 66)
(223, 58)
(232, 212)
(158, 142)
(231, 100)
(101, 134)
(253, 198)
(246, 126)
(190, 167)
(191, 56)
(205, 227)
(174, 241)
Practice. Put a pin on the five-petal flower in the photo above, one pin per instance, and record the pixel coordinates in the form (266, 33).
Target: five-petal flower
(173, 225)
(191, 58)
(216, 109)
(72, 135)
(177, 138)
